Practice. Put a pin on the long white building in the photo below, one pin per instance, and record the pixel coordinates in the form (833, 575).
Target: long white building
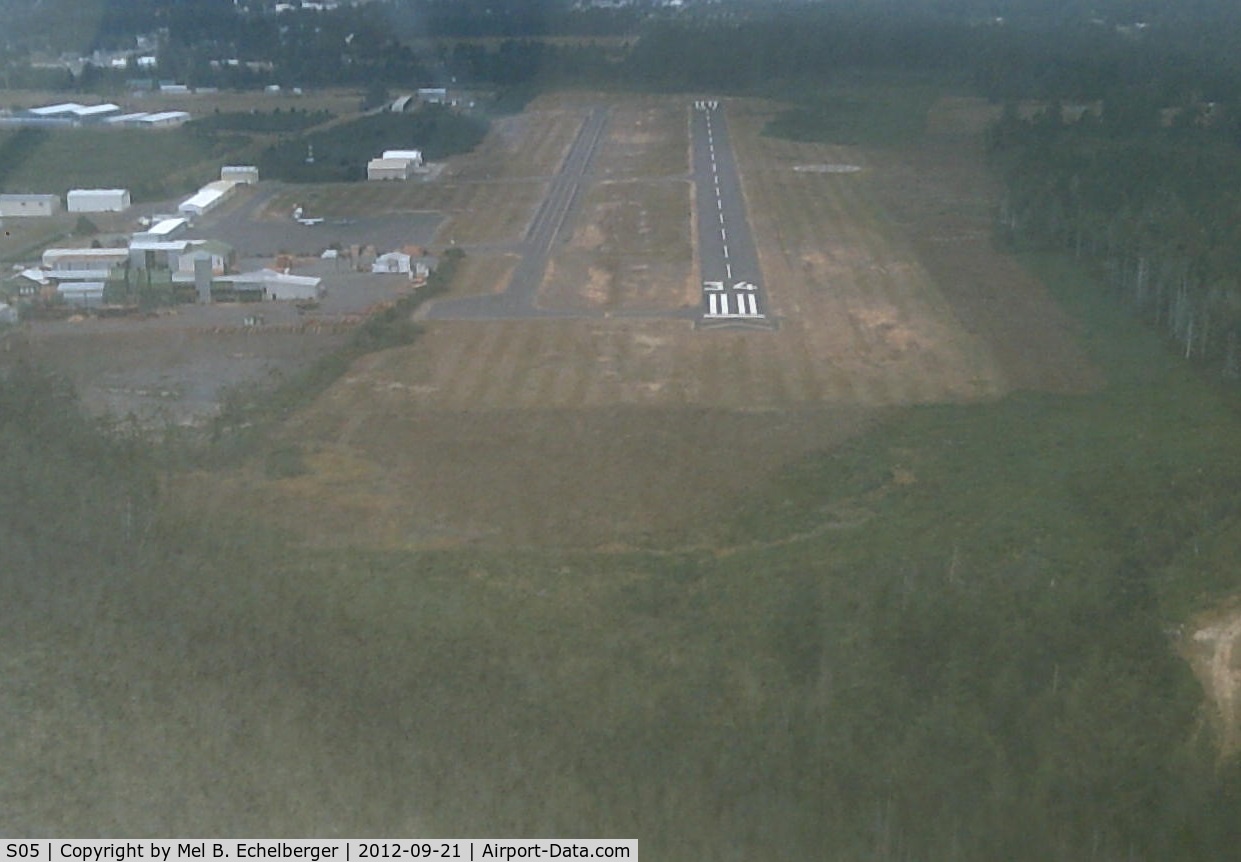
(98, 200)
(207, 198)
(20, 206)
(388, 169)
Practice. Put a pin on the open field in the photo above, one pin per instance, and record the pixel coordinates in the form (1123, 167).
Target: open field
(646, 138)
(21, 239)
(897, 259)
(529, 145)
(151, 163)
(630, 249)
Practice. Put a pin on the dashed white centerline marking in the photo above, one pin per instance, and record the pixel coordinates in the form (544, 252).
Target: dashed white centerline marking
(728, 269)
(726, 251)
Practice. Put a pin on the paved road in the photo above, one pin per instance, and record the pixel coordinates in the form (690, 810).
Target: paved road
(732, 289)
(547, 226)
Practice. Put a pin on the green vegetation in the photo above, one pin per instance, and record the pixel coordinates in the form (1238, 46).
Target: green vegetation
(949, 639)
(262, 122)
(152, 164)
(341, 152)
(882, 116)
(1151, 202)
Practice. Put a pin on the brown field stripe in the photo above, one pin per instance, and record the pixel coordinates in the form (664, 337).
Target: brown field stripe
(448, 354)
(486, 341)
(796, 359)
(515, 371)
(572, 377)
(550, 368)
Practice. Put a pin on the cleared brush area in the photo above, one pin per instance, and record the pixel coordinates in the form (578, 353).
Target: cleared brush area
(530, 144)
(630, 249)
(646, 137)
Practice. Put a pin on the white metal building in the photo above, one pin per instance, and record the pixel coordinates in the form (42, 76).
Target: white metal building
(75, 111)
(413, 156)
(155, 253)
(163, 230)
(126, 119)
(98, 200)
(393, 261)
(19, 206)
(278, 285)
(242, 174)
(62, 109)
(83, 294)
(164, 119)
(83, 264)
(388, 169)
(207, 198)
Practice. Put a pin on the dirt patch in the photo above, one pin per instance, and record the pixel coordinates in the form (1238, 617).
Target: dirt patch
(1214, 651)
(630, 249)
(646, 137)
(165, 375)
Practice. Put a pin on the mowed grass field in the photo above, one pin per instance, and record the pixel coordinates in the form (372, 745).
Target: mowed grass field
(865, 324)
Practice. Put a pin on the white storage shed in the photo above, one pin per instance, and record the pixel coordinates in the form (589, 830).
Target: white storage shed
(20, 206)
(387, 169)
(98, 200)
(207, 198)
(278, 285)
(414, 157)
(243, 174)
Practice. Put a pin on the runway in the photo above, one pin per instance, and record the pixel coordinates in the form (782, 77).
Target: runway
(732, 286)
(518, 298)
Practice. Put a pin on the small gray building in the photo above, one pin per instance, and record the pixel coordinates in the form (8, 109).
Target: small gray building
(22, 206)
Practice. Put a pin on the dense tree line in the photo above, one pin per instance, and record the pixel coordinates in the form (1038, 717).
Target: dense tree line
(1156, 205)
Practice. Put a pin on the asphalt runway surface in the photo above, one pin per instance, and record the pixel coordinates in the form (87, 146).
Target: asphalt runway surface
(732, 286)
